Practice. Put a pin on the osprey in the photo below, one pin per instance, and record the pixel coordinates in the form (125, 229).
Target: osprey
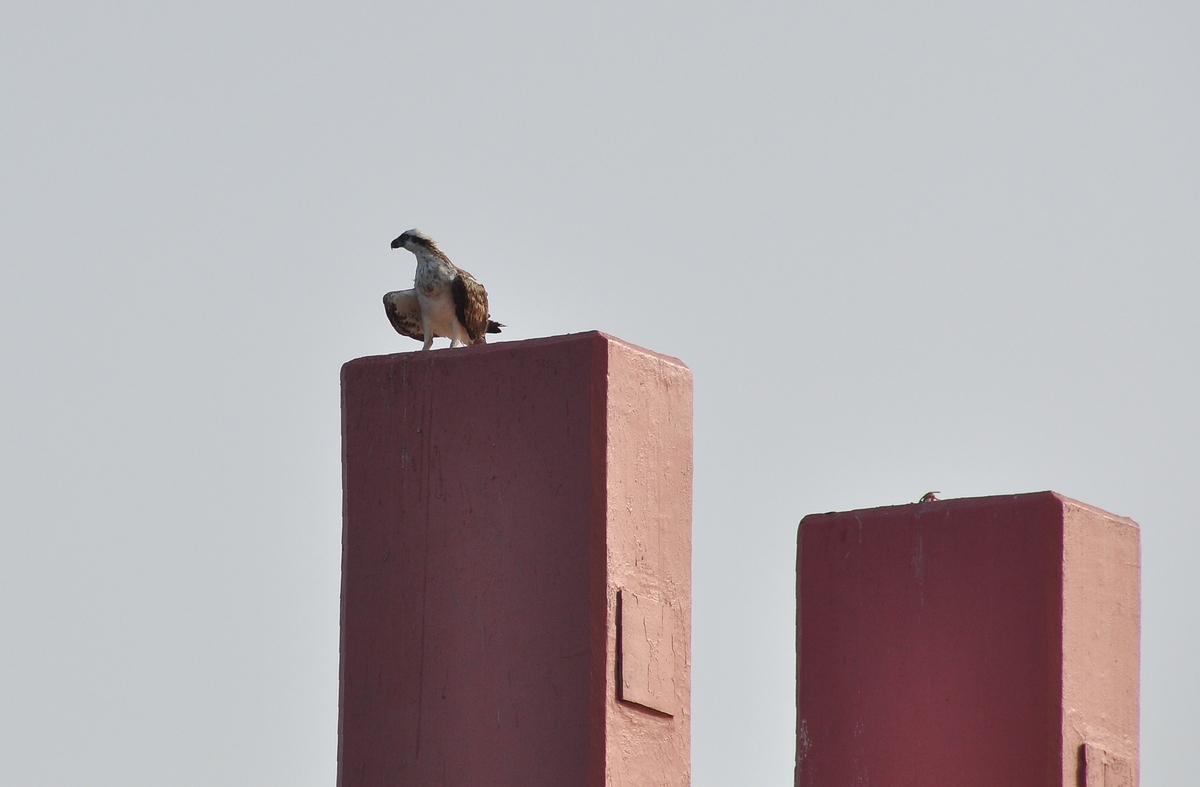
(445, 301)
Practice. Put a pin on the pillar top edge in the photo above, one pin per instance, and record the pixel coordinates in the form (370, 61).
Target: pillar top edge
(522, 345)
(969, 503)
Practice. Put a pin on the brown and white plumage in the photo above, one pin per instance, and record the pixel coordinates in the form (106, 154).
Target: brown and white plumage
(445, 301)
(404, 313)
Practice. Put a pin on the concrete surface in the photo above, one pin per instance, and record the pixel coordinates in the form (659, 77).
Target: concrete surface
(986, 641)
(499, 500)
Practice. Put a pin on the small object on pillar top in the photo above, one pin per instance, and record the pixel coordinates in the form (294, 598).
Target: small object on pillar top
(929, 497)
(445, 300)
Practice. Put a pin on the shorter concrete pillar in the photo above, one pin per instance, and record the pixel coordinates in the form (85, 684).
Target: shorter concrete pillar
(989, 641)
(516, 570)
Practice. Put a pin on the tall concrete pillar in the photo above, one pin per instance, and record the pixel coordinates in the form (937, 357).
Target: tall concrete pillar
(989, 641)
(516, 571)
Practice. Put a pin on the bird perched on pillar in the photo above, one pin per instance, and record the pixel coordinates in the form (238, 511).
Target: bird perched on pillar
(445, 300)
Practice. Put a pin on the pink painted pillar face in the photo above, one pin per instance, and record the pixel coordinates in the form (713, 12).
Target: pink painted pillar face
(516, 601)
(988, 641)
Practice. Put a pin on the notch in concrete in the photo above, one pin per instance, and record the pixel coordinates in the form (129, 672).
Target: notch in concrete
(1103, 768)
(646, 664)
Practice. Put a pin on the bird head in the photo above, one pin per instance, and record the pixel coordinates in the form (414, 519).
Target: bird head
(413, 240)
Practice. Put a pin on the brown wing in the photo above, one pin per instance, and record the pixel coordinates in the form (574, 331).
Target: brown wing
(404, 313)
(470, 305)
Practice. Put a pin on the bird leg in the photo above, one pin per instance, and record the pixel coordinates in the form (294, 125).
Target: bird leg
(427, 330)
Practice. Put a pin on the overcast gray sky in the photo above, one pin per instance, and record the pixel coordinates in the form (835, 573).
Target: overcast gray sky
(903, 247)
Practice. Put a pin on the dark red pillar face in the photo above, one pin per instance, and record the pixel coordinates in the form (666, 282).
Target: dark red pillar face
(466, 567)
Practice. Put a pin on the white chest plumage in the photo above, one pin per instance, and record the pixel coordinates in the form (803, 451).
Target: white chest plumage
(433, 281)
(434, 275)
